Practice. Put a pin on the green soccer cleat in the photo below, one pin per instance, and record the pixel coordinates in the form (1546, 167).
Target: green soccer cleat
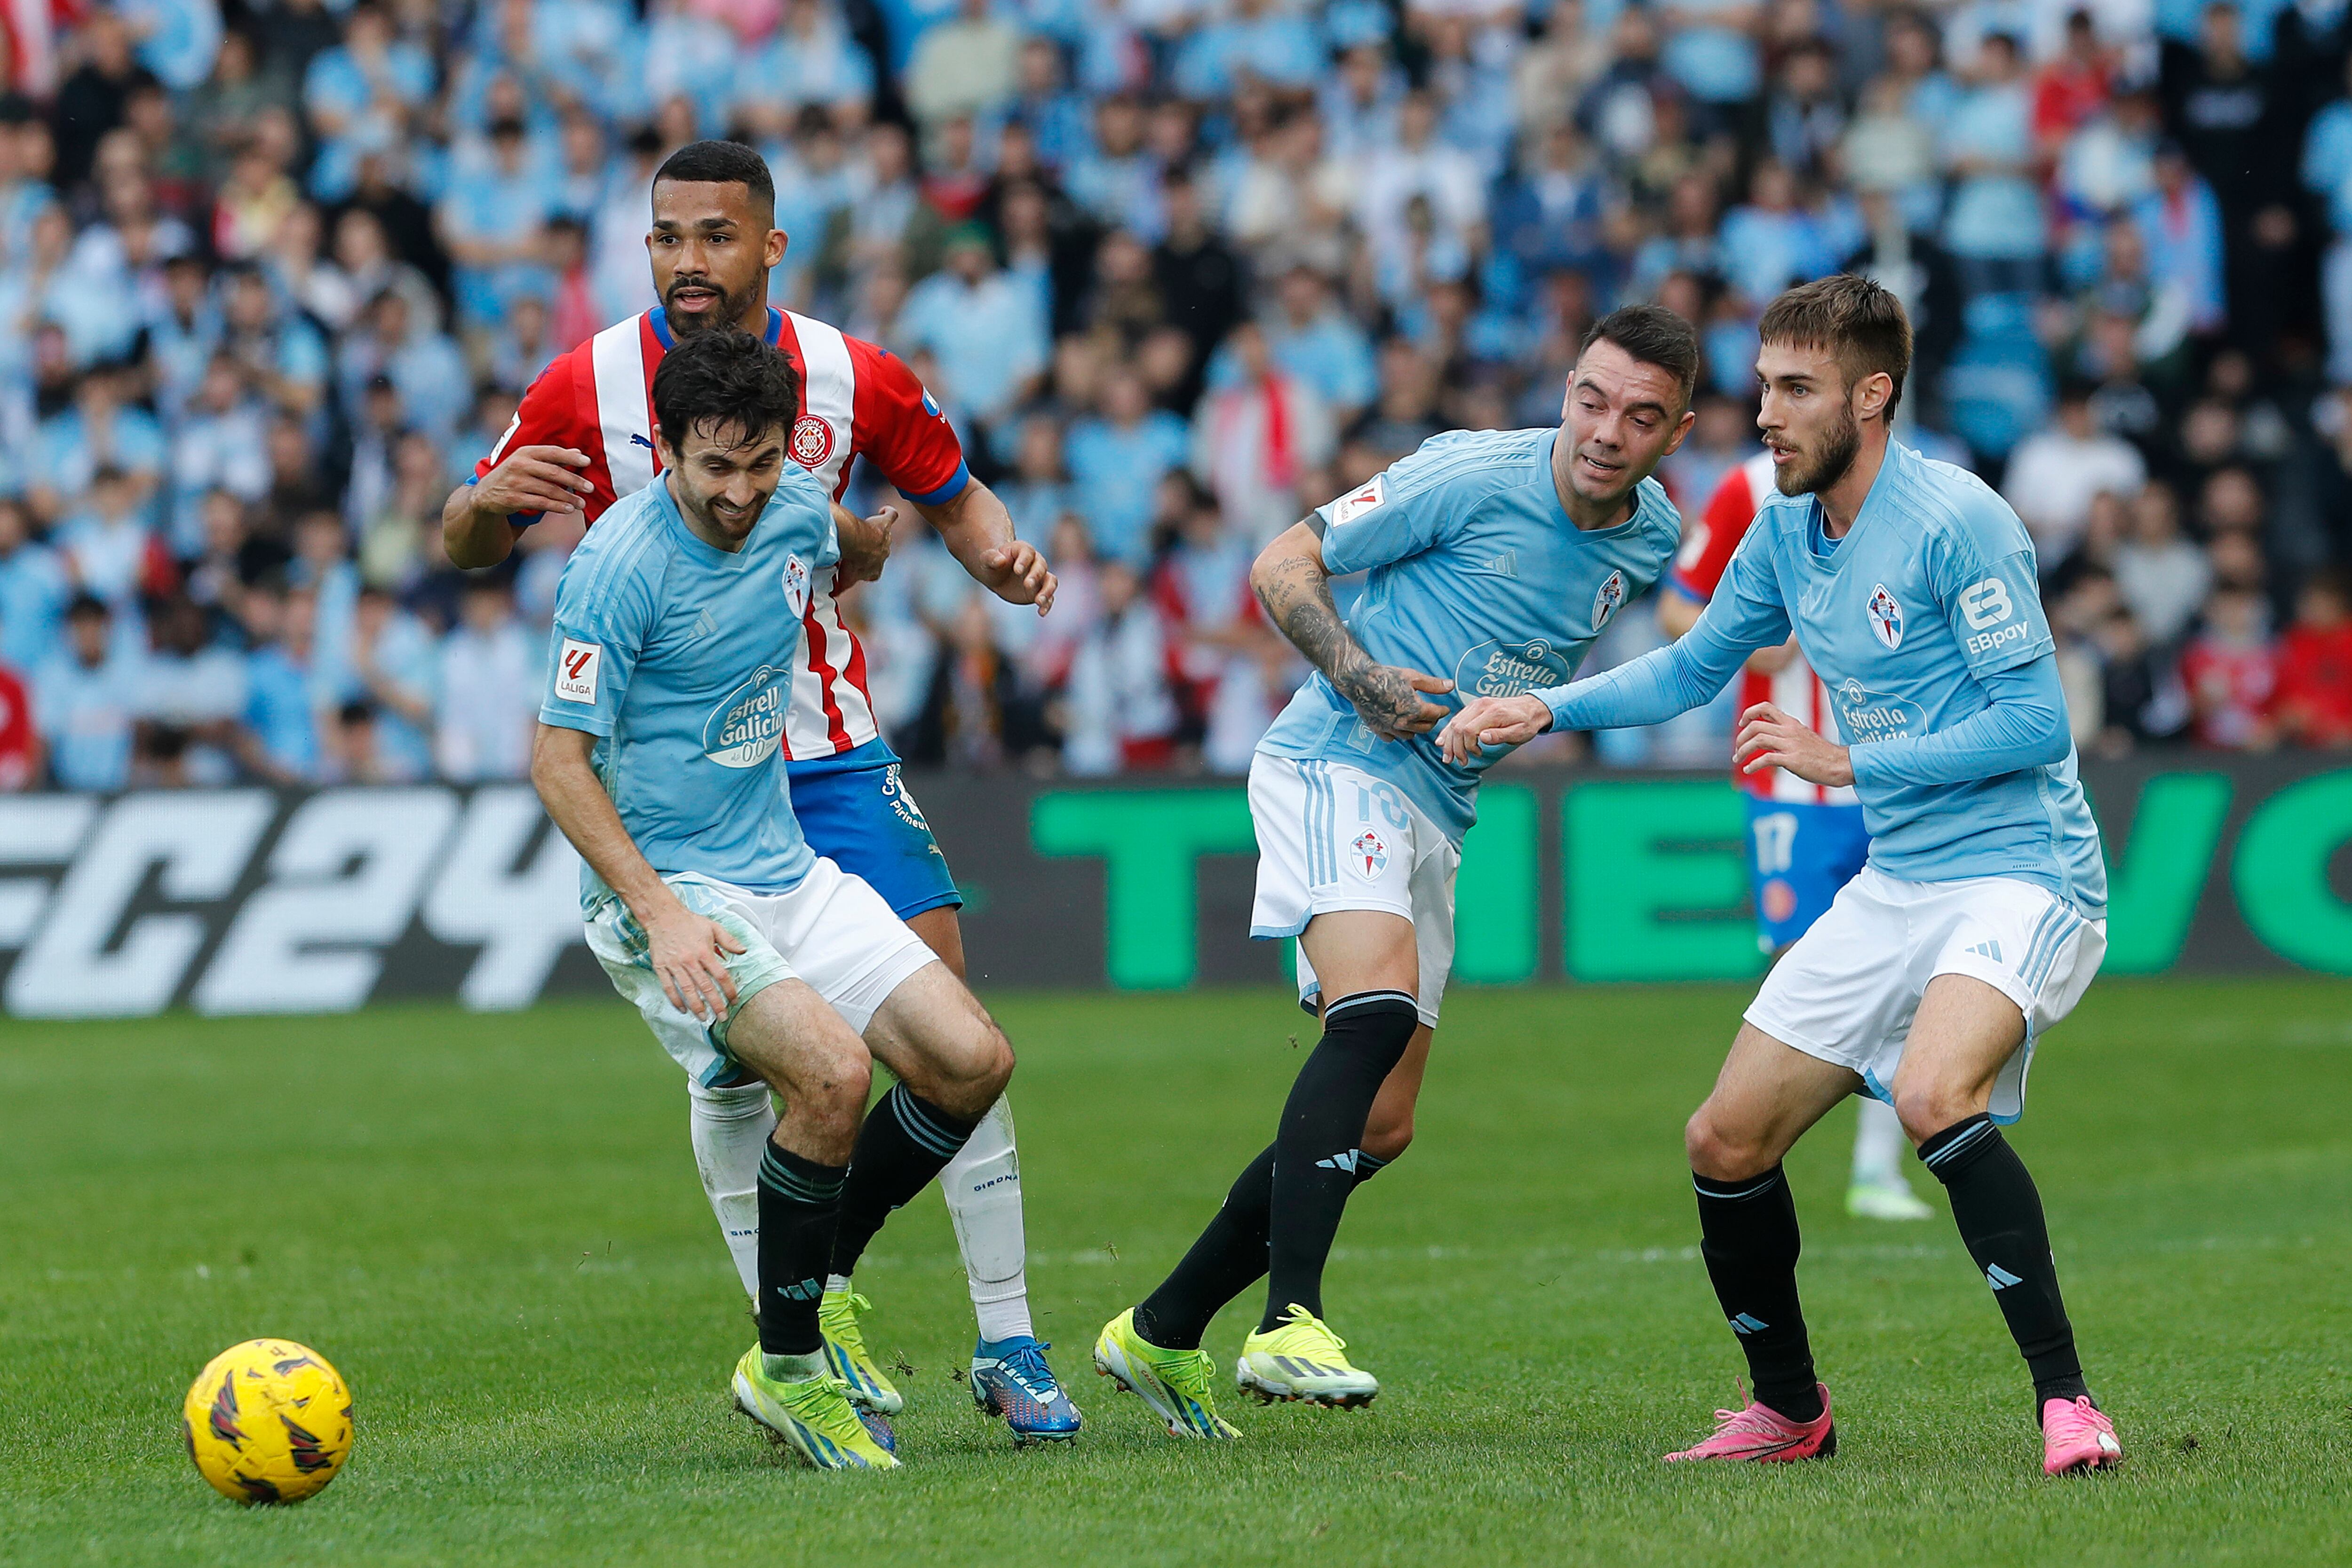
(1300, 1358)
(813, 1417)
(845, 1353)
(1174, 1383)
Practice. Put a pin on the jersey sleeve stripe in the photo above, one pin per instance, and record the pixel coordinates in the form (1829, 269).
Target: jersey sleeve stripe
(955, 486)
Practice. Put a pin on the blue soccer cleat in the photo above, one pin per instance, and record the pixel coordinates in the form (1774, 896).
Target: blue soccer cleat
(1010, 1378)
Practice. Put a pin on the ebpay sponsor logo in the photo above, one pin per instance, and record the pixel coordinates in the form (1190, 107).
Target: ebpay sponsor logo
(1505, 669)
(744, 729)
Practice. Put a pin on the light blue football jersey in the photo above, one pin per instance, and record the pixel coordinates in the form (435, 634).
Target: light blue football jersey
(679, 656)
(1477, 575)
(1933, 586)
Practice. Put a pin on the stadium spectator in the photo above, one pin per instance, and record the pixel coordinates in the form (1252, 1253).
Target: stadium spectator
(2314, 699)
(2056, 472)
(489, 699)
(260, 264)
(86, 701)
(2232, 670)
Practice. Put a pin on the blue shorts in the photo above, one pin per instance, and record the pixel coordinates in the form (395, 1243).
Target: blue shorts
(1798, 854)
(857, 812)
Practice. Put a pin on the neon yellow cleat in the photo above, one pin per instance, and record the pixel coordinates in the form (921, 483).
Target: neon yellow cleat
(845, 1353)
(813, 1419)
(1174, 1383)
(1302, 1359)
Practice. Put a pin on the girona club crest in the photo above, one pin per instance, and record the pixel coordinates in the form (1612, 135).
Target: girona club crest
(812, 441)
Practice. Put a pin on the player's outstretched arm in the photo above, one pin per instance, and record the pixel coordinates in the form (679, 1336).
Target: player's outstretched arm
(1291, 580)
(476, 521)
(978, 532)
(688, 951)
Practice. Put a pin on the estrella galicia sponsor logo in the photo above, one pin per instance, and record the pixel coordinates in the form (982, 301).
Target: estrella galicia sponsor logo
(1887, 616)
(1869, 715)
(1505, 669)
(748, 725)
(1605, 601)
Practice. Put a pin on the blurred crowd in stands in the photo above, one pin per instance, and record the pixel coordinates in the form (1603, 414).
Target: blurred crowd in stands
(273, 274)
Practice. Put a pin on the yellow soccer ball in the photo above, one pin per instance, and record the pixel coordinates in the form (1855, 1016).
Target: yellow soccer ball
(268, 1421)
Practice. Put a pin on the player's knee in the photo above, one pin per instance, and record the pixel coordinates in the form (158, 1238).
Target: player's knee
(968, 1079)
(1927, 1107)
(836, 1080)
(1721, 1152)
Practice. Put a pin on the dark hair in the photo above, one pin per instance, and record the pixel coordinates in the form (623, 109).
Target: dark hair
(1860, 323)
(84, 604)
(724, 378)
(1652, 335)
(720, 163)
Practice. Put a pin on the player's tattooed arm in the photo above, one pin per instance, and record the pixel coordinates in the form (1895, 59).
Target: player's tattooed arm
(1292, 583)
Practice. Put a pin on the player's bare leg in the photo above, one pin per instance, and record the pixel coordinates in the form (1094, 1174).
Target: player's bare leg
(1964, 1033)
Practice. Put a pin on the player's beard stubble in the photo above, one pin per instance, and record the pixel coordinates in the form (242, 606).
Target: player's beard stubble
(1840, 445)
(729, 311)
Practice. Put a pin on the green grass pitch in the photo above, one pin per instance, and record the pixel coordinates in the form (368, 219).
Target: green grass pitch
(491, 1224)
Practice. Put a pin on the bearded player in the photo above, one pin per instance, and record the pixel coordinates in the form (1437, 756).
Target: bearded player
(583, 439)
(1495, 558)
(1805, 841)
(1981, 917)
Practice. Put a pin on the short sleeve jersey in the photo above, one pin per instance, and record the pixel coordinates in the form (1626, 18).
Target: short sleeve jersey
(677, 656)
(1933, 588)
(1477, 575)
(855, 399)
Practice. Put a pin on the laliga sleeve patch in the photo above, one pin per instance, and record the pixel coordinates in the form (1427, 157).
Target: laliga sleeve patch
(1364, 498)
(576, 670)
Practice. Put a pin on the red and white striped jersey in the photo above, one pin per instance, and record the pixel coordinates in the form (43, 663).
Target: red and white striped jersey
(1706, 551)
(855, 399)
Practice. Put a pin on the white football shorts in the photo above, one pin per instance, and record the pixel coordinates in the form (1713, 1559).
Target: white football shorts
(832, 931)
(1333, 837)
(1845, 992)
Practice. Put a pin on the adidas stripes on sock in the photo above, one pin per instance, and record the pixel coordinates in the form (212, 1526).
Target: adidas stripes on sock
(1228, 1259)
(1998, 1212)
(1748, 1232)
(800, 1206)
(1364, 1037)
(905, 1142)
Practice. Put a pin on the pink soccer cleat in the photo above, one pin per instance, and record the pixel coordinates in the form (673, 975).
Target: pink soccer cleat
(1761, 1433)
(2076, 1437)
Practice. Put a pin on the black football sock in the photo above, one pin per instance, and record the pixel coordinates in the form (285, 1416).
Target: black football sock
(1364, 1037)
(800, 1205)
(905, 1142)
(1228, 1259)
(1747, 1234)
(1998, 1212)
